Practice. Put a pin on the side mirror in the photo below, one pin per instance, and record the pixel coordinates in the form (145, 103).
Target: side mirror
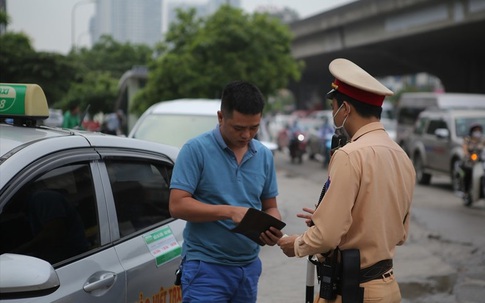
(442, 133)
(24, 277)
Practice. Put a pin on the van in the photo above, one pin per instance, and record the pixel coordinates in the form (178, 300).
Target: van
(410, 105)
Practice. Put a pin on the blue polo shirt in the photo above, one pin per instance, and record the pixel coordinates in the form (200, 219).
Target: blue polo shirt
(207, 168)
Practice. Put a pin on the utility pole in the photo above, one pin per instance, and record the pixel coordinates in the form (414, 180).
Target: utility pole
(73, 20)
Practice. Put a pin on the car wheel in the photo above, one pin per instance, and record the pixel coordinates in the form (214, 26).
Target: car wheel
(421, 177)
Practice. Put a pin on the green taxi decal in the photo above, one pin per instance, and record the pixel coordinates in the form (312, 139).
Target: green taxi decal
(12, 99)
(163, 245)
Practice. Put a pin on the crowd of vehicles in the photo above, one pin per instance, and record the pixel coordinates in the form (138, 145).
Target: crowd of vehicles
(320, 137)
(436, 143)
(432, 128)
(82, 213)
(410, 105)
(313, 132)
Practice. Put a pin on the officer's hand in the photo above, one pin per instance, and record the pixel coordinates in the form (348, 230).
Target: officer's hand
(271, 236)
(307, 217)
(287, 245)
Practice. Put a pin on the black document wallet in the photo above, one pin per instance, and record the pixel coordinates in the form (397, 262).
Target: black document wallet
(255, 222)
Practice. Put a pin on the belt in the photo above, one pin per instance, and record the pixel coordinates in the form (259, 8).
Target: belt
(377, 271)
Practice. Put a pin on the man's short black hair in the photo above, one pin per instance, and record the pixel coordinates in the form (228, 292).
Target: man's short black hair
(364, 109)
(243, 97)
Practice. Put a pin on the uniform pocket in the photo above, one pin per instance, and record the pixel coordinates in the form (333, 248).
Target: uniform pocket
(382, 290)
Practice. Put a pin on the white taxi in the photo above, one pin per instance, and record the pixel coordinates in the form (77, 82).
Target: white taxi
(83, 216)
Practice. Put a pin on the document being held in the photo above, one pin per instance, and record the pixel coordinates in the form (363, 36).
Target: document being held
(255, 222)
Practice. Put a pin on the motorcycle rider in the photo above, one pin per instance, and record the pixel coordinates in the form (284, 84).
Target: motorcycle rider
(295, 146)
(474, 141)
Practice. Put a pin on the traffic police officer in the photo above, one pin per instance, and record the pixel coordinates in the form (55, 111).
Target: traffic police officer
(370, 188)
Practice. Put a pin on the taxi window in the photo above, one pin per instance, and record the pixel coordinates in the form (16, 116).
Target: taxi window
(140, 192)
(52, 217)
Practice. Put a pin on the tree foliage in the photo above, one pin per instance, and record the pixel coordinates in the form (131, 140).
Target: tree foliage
(85, 76)
(111, 56)
(99, 71)
(200, 55)
(4, 19)
(98, 90)
(19, 63)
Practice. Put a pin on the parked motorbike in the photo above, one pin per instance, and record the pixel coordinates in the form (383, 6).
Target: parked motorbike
(297, 147)
(476, 163)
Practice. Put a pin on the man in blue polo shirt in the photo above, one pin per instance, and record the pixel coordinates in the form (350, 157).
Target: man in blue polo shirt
(217, 177)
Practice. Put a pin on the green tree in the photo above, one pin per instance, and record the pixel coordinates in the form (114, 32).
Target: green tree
(98, 90)
(4, 19)
(85, 76)
(112, 56)
(200, 56)
(99, 71)
(20, 63)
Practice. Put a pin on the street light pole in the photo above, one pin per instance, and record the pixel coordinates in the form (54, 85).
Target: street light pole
(73, 20)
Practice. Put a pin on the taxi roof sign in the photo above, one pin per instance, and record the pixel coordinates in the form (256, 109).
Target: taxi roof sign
(18, 100)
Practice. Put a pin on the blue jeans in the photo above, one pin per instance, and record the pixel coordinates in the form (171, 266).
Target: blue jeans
(216, 283)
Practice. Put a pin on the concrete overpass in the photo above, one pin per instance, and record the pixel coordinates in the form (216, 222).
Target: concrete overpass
(444, 38)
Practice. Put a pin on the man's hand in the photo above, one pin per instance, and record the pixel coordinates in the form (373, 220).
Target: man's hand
(287, 245)
(271, 236)
(238, 213)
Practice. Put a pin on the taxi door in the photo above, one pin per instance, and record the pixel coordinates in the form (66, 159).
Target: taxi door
(82, 254)
(149, 240)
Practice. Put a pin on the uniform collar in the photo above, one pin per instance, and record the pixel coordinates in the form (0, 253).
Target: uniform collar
(373, 126)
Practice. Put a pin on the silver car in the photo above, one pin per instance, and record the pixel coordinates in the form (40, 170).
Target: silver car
(83, 216)
(437, 139)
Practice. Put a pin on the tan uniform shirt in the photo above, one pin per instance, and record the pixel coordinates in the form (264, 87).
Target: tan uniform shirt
(368, 201)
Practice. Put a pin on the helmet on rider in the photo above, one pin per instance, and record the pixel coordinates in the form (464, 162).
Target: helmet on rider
(476, 130)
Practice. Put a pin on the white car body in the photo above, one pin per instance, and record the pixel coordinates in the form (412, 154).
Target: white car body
(176, 121)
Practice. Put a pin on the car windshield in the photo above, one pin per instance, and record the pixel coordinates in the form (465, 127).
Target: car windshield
(174, 129)
(463, 124)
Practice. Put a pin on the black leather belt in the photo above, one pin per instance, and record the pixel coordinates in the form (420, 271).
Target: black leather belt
(377, 271)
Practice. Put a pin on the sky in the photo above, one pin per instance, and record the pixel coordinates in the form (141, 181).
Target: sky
(55, 25)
